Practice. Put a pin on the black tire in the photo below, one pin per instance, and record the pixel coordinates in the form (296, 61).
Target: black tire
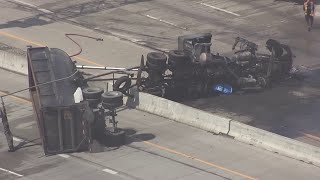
(112, 97)
(177, 58)
(157, 58)
(127, 83)
(155, 67)
(93, 103)
(92, 92)
(115, 139)
(112, 105)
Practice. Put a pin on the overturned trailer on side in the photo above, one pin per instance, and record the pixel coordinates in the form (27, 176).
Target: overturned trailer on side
(71, 114)
(66, 125)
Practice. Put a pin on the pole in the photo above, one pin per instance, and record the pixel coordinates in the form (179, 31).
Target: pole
(6, 128)
(105, 68)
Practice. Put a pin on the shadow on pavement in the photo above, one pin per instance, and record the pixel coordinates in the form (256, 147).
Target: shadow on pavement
(288, 109)
(25, 144)
(26, 22)
(65, 13)
(131, 137)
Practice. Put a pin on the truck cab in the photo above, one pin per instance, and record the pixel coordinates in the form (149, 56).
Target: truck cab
(194, 45)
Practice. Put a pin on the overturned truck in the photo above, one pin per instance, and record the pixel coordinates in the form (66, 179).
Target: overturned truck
(193, 71)
(71, 115)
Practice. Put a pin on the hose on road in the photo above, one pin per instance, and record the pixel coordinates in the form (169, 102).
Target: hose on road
(80, 51)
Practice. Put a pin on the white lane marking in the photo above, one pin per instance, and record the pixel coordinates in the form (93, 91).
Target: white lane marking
(166, 22)
(5, 170)
(219, 9)
(34, 6)
(64, 155)
(25, 3)
(110, 171)
(17, 139)
(45, 11)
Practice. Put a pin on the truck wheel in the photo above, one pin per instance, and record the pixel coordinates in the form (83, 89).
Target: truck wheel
(157, 58)
(112, 105)
(125, 81)
(92, 92)
(93, 103)
(176, 55)
(115, 139)
(177, 58)
(112, 97)
(156, 67)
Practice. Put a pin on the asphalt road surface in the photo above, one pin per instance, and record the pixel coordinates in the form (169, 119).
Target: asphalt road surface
(29, 163)
(156, 148)
(289, 109)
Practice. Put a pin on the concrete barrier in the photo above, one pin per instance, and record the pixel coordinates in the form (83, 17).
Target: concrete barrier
(13, 59)
(195, 117)
(217, 124)
(179, 112)
(275, 143)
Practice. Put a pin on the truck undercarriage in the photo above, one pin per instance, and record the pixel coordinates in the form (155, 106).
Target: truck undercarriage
(71, 114)
(193, 71)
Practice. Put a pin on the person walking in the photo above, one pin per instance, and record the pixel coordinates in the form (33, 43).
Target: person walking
(308, 8)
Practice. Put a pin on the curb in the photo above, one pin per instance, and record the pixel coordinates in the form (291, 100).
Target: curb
(194, 117)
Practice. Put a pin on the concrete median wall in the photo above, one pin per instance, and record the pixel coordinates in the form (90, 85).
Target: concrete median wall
(217, 124)
(13, 59)
(275, 143)
(179, 112)
(17, 62)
